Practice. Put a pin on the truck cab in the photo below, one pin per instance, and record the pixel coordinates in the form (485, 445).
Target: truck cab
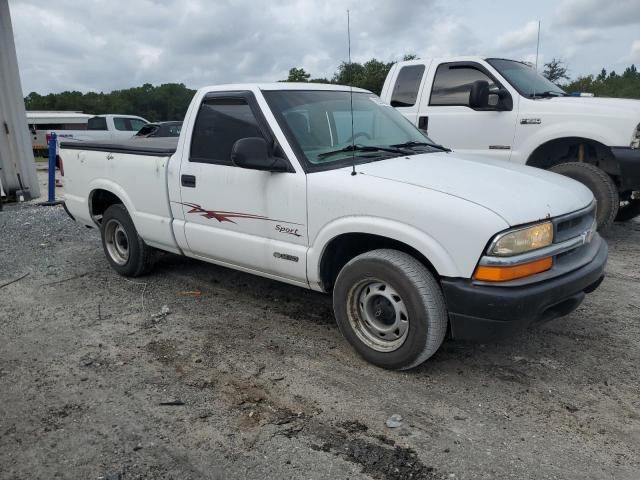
(503, 109)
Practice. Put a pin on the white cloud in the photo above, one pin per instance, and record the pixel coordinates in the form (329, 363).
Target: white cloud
(517, 39)
(102, 46)
(595, 12)
(634, 54)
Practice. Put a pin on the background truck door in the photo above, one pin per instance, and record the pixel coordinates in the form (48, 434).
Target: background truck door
(456, 125)
(247, 218)
(405, 93)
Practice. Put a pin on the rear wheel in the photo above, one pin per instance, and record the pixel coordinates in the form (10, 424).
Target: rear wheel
(600, 184)
(390, 308)
(125, 250)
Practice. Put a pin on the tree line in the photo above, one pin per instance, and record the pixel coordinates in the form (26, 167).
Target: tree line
(170, 101)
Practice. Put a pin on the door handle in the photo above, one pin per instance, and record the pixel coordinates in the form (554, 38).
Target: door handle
(423, 123)
(188, 181)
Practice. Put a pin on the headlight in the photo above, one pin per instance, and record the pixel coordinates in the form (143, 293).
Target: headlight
(635, 139)
(522, 240)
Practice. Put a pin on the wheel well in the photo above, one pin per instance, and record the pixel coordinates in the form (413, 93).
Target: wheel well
(99, 201)
(575, 149)
(343, 248)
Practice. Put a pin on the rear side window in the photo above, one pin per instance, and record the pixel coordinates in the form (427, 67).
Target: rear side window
(452, 84)
(97, 123)
(220, 123)
(405, 91)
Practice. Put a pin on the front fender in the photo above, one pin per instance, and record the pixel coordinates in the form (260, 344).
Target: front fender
(557, 131)
(436, 253)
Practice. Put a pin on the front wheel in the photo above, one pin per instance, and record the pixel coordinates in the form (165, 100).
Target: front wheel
(125, 250)
(390, 308)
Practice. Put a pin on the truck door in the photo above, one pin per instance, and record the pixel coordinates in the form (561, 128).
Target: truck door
(251, 219)
(453, 123)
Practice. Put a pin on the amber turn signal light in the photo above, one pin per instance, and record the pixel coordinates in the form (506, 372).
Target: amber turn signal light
(486, 273)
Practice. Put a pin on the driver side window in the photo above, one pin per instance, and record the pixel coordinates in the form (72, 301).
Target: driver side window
(220, 123)
(452, 84)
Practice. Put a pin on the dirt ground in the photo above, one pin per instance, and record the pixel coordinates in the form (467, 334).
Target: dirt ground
(247, 378)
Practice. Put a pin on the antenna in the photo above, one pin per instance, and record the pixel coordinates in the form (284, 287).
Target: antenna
(537, 52)
(353, 139)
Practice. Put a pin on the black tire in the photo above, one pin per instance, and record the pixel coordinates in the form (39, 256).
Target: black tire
(420, 302)
(126, 252)
(600, 184)
(628, 211)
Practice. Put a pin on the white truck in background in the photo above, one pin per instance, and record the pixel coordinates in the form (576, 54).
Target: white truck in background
(104, 128)
(331, 189)
(503, 109)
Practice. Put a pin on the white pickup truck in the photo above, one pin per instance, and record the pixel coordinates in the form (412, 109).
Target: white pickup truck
(504, 109)
(104, 128)
(411, 239)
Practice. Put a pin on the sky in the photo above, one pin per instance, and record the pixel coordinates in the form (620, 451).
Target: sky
(105, 45)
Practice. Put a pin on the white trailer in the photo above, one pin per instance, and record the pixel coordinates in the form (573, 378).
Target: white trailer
(40, 122)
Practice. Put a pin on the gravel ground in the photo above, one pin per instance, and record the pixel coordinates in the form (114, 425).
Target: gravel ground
(244, 377)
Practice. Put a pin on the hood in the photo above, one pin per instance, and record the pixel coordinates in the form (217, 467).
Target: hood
(602, 105)
(518, 194)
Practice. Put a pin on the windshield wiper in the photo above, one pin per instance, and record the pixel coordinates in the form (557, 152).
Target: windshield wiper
(420, 144)
(547, 94)
(365, 148)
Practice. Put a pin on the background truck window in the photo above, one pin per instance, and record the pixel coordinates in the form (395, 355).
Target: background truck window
(97, 123)
(405, 91)
(121, 123)
(452, 84)
(220, 123)
(128, 124)
(136, 124)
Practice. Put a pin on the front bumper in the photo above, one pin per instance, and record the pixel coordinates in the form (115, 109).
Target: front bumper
(629, 160)
(490, 313)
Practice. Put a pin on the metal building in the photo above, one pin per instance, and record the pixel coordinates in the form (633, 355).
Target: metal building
(17, 167)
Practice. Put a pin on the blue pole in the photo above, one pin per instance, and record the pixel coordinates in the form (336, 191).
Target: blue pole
(52, 167)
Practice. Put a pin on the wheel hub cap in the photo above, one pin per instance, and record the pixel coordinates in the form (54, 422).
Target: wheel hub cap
(117, 241)
(378, 315)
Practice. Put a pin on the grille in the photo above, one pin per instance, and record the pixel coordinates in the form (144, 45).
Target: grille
(573, 224)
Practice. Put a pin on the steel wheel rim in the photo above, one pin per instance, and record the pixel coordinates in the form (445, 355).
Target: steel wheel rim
(117, 241)
(378, 315)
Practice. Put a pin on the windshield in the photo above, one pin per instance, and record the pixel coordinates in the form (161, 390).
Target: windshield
(525, 79)
(319, 123)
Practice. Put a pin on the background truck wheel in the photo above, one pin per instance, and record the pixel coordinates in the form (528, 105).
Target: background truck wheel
(603, 188)
(628, 210)
(125, 250)
(390, 308)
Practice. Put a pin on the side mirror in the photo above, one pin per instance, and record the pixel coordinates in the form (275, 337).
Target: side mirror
(479, 94)
(253, 153)
(503, 102)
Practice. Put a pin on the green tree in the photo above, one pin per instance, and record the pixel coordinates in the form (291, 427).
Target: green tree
(297, 75)
(626, 85)
(555, 70)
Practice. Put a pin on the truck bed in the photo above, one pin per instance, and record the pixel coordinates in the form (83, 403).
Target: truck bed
(157, 147)
(133, 170)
